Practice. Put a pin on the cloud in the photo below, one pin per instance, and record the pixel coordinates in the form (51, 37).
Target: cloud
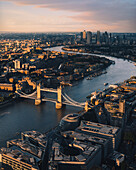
(87, 12)
(113, 9)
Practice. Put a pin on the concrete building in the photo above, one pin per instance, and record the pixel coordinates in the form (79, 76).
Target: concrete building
(25, 66)
(17, 159)
(84, 34)
(94, 39)
(102, 131)
(98, 37)
(89, 139)
(81, 156)
(119, 104)
(17, 64)
(115, 159)
(27, 147)
(81, 34)
(6, 86)
(89, 37)
(35, 138)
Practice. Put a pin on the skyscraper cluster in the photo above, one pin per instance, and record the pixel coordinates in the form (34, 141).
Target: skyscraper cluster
(105, 38)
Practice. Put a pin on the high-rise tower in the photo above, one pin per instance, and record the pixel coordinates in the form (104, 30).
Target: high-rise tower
(89, 37)
(84, 34)
(98, 37)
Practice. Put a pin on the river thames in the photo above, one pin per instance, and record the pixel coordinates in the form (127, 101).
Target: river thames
(24, 115)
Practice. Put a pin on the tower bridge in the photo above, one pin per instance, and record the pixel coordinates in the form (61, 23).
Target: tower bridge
(62, 98)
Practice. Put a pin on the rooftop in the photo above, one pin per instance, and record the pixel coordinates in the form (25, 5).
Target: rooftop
(20, 156)
(79, 152)
(117, 157)
(37, 136)
(98, 128)
(84, 137)
(26, 146)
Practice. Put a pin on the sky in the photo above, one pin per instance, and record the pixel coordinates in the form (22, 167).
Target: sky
(67, 15)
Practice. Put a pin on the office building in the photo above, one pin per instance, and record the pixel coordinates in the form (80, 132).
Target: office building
(27, 147)
(35, 138)
(98, 37)
(17, 159)
(115, 159)
(94, 39)
(102, 131)
(25, 66)
(80, 155)
(81, 34)
(89, 139)
(89, 37)
(84, 34)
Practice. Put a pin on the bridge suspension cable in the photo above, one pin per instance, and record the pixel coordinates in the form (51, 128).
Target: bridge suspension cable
(74, 100)
(29, 95)
(71, 103)
(25, 96)
(90, 105)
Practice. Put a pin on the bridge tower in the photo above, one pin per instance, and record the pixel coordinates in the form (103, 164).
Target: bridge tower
(59, 98)
(38, 99)
(86, 106)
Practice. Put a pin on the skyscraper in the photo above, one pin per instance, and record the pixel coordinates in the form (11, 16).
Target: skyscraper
(89, 37)
(84, 34)
(81, 36)
(98, 37)
(106, 38)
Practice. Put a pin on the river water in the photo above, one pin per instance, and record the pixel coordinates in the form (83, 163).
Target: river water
(24, 115)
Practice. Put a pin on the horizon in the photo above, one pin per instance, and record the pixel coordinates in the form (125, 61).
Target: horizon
(26, 16)
(65, 32)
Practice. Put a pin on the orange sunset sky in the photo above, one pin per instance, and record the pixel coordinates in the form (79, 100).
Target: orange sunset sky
(67, 16)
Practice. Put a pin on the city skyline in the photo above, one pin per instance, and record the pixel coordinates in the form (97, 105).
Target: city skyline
(71, 16)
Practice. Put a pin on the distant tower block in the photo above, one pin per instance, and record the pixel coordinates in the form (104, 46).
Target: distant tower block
(59, 101)
(38, 100)
(84, 34)
(89, 37)
(98, 37)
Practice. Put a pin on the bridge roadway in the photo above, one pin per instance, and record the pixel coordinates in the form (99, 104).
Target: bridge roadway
(49, 90)
(54, 101)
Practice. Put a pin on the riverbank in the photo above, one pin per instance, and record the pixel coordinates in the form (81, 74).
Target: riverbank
(72, 67)
(113, 51)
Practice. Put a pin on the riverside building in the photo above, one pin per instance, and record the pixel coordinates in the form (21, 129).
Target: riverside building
(35, 138)
(18, 160)
(102, 131)
(82, 155)
(27, 147)
(89, 139)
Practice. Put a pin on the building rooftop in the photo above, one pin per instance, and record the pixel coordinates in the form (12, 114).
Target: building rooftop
(81, 153)
(37, 136)
(98, 128)
(116, 155)
(26, 146)
(84, 137)
(19, 156)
